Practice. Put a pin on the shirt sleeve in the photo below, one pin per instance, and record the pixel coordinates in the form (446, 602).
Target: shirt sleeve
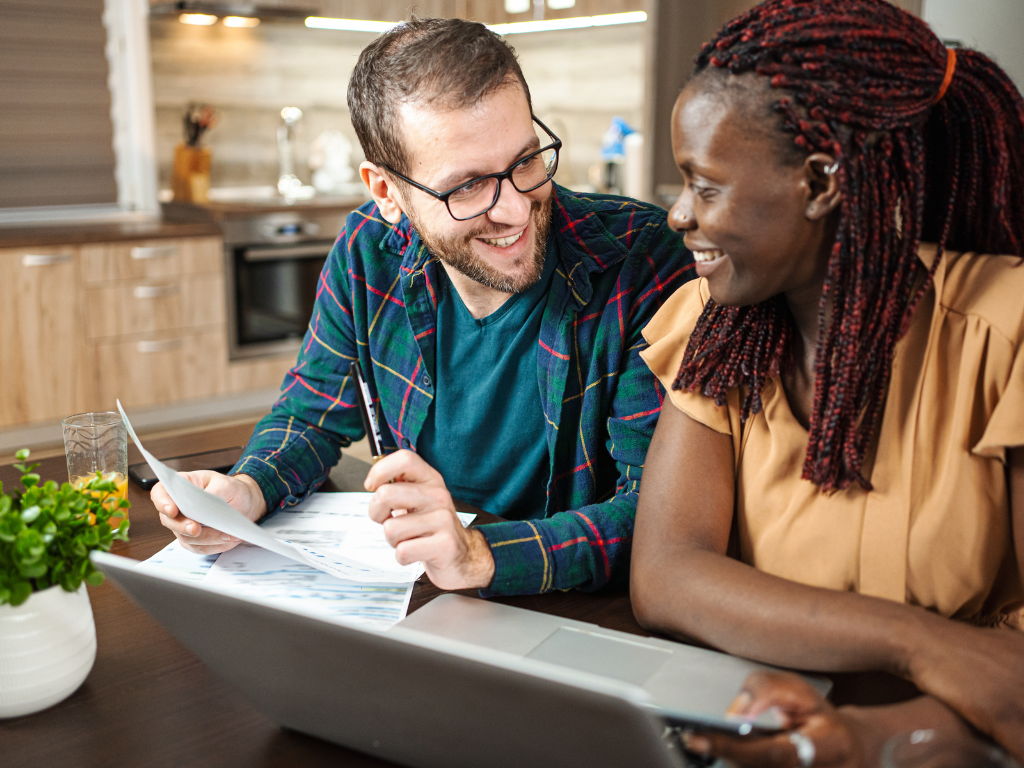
(589, 547)
(294, 447)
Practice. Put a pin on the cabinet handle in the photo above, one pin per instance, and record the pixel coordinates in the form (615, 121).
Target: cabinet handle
(154, 252)
(155, 291)
(163, 345)
(46, 259)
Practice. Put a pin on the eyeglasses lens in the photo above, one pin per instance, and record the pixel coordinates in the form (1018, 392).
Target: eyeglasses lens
(477, 197)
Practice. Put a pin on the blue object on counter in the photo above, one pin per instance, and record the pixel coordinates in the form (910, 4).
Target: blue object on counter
(611, 144)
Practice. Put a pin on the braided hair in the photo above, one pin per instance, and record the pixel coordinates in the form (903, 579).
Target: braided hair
(860, 80)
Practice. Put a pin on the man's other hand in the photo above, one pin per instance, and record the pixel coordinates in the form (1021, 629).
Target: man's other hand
(240, 491)
(413, 504)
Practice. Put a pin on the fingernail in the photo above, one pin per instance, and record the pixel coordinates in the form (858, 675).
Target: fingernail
(168, 508)
(699, 745)
(192, 529)
(225, 537)
(740, 704)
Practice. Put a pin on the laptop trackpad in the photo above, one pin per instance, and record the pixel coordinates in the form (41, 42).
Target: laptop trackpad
(601, 655)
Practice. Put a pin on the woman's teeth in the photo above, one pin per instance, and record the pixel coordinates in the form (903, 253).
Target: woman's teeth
(707, 255)
(502, 242)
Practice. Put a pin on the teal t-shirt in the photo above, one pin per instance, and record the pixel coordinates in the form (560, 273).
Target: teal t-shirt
(484, 431)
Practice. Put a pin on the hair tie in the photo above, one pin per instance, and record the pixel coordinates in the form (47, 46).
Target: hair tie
(950, 69)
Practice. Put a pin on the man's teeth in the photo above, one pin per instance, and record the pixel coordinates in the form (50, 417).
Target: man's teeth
(707, 255)
(502, 242)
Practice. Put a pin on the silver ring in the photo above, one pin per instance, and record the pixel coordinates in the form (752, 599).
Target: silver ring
(805, 751)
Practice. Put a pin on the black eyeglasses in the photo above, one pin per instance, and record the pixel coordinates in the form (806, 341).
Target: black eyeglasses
(477, 196)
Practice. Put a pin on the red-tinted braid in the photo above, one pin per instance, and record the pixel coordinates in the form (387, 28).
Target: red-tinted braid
(858, 80)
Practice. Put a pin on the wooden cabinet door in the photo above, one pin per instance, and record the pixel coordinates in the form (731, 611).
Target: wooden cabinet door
(40, 330)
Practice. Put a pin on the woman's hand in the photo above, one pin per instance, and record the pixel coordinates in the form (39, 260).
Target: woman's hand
(816, 732)
(980, 674)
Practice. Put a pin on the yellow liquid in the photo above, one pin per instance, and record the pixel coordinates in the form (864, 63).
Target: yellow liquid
(120, 483)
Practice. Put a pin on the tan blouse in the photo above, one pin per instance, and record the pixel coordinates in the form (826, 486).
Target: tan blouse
(936, 529)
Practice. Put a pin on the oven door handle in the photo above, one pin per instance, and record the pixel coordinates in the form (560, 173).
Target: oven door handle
(291, 252)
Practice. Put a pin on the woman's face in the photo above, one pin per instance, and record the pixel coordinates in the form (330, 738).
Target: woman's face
(758, 226)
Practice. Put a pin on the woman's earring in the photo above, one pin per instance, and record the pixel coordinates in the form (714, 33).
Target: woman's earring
(831, 169)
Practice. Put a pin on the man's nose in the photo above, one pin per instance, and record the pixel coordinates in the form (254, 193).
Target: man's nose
(513, 207)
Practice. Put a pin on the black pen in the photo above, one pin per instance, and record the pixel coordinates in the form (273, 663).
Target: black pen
(369, 417)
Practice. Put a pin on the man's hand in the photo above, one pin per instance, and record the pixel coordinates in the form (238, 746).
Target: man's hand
(240, 491)
(412, 502)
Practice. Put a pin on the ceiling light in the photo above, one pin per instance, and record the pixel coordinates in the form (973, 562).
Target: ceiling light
(577, 22)
(558, 5)
(240, 21)
(518, 6)
(197, 19)
(349, 25)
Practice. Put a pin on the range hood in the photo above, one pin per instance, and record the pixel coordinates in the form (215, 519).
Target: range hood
(263, 11)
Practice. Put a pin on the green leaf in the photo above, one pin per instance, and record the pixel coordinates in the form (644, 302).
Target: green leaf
(22, 454)
(20, 592)
(95, 578)
(29, 480)
(30, 514)
(32, 571)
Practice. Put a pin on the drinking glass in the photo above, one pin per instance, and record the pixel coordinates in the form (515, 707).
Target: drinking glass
(98, 442)
(927, 748)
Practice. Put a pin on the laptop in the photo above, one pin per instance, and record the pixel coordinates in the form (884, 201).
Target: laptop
(460, 682)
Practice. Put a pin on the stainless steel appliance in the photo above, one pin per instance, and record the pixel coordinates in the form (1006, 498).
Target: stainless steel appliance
(273, 264)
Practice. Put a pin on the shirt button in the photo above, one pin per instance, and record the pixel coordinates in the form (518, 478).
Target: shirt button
(405, 442)
(425, 380)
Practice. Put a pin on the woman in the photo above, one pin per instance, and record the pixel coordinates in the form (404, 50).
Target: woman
(845, 408)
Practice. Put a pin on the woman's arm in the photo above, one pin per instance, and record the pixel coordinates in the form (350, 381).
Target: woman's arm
(683, 584)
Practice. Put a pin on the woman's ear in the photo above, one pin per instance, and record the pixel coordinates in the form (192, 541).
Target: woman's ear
(821, 173)
(384, 193)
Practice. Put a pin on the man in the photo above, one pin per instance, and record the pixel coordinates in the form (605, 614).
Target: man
(497, 318)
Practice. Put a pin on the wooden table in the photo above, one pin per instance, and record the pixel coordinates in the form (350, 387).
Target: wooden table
(149, 702)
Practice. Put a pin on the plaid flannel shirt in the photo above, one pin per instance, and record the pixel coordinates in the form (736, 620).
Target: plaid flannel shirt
(376, 303)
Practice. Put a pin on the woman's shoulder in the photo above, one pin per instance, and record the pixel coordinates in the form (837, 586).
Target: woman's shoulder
(679, 314)
(987, 287)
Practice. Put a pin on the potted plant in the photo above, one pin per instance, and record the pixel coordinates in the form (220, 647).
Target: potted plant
(47, 635)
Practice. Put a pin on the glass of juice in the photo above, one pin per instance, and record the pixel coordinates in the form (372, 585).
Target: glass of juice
(98, 442)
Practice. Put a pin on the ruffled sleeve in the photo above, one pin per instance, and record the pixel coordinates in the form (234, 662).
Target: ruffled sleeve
(1002, 384)
(668, 334)
(984, 320)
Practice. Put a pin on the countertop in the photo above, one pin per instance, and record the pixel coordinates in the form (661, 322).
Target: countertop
(75, 234)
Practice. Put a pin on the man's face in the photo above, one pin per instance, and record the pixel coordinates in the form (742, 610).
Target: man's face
(504, 248)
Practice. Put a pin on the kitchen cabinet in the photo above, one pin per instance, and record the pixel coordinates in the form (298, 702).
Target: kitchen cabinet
(140, 320)
(154, 320)
(40, 341)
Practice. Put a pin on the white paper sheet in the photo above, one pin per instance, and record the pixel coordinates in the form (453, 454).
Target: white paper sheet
(256, 574)
(177, 562)
(253, 573)
(207, 509)
(339, 524)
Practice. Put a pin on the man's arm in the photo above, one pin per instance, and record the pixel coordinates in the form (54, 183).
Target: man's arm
(587, 547)
(294, 447)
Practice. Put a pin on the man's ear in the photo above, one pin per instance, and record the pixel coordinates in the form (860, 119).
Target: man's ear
(821, 174)
(385, 194)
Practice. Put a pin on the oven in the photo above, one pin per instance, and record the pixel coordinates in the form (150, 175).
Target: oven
(273, 265)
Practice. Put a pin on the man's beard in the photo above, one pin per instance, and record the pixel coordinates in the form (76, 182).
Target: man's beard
(457, 252)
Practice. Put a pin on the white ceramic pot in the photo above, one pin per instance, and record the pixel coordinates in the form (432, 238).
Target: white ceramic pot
(47, 647)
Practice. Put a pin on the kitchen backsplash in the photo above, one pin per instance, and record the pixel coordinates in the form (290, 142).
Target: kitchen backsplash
(579, 80)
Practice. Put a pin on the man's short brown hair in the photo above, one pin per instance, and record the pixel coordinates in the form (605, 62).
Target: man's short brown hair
(446, 63)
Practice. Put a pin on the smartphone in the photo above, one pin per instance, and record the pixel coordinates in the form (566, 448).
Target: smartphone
(219, 461)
